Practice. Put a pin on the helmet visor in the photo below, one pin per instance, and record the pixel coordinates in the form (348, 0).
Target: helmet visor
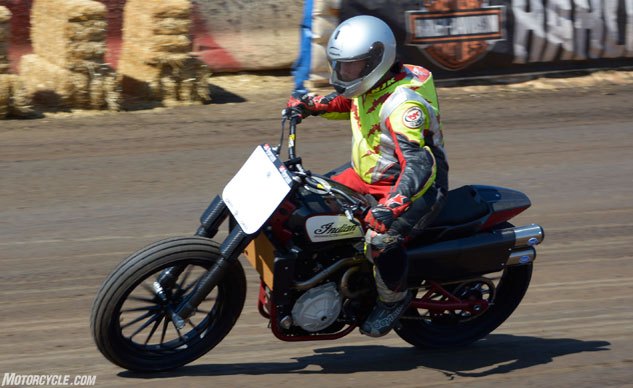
(353, 70)
(348, 71)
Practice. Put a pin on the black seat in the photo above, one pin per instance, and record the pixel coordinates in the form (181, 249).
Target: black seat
(463, 214)
(463, 206)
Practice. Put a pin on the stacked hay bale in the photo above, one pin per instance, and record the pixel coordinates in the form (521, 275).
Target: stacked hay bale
(13, 99)
(5, 18)
(67, 68)
(5, 83)
(156, 61)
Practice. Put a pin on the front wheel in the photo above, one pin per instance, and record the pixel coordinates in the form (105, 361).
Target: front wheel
(132, 316)
(453, 329)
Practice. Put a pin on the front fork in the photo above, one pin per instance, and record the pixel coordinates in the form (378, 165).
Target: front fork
(230, 250)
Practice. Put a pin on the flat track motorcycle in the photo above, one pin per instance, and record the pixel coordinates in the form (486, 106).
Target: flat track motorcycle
(175, 300)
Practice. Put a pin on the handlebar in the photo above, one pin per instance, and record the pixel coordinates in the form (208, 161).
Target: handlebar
(347, 203)
(292, 135)
(293, 160)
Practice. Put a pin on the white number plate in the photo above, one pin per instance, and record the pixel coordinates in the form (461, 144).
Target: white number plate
(257, 189)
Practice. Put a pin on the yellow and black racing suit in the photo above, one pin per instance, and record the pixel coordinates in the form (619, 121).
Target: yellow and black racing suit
(397, 154)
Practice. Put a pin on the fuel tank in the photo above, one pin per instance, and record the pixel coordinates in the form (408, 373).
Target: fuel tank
(318, 216)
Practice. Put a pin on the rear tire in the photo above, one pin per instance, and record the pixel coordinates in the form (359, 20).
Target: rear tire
(135, 337)
(430, 333)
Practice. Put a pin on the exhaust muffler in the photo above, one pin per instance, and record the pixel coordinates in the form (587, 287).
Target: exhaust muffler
(528, 236)
(477, 254)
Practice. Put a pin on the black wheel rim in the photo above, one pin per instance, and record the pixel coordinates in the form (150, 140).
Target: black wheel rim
(145, 321)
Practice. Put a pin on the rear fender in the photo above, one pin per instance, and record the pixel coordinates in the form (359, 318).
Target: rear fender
(504, 203)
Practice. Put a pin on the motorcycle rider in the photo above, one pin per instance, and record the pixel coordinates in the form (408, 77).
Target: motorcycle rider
(397, 152)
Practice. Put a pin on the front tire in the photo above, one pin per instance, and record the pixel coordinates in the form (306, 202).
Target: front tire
(133, 327)
(424, 332)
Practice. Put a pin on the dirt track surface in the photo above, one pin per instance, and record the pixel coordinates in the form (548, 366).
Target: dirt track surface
(80, 192)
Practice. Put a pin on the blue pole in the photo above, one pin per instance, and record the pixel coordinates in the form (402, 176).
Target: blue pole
(301, 67)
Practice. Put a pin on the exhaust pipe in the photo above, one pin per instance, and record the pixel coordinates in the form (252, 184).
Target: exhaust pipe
(525, 238)
(521, 256)
(528, 236)
(477, 254)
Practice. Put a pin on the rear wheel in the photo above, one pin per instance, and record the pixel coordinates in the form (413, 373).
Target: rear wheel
(132, 317)
(457, 328)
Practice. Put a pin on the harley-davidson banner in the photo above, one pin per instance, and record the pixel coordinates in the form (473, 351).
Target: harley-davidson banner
(478, 37)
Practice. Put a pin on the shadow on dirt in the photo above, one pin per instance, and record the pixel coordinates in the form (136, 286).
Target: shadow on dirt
(497, 354)
(223, 96)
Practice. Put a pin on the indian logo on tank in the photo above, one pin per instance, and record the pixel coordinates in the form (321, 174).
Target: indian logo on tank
(334, 227)
(454, 34)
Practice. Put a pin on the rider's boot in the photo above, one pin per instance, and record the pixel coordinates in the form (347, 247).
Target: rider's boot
(388, 309)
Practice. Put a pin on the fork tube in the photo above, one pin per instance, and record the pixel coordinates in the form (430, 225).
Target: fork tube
(167, 278)
(211, 219)
(230, 250)
(210, 222)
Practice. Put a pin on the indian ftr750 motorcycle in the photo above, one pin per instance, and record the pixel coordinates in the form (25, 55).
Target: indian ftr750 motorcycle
(173, 301)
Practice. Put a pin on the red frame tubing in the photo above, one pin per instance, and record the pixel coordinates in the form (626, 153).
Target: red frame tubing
(263, 304)
(436, 307)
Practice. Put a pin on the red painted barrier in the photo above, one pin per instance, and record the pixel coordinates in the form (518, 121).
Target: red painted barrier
(204, 45)
(20, 23)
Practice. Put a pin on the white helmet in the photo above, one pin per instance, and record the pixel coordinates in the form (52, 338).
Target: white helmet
(361, 50)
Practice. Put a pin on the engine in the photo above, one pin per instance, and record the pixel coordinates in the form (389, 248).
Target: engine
(329, 242)
(317, 308)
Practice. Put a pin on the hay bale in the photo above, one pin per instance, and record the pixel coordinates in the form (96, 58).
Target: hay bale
(68, 67)
(112, 92)
(185, 83)
(69, 32)
(49, 84)
(4, 61)
(154, 28)
(5, 15)
(54, 87)
(81, 83)
(80, 52)
(172, 26)
(5, 29)
(14, 101)
(21, 103)
(87, 31)
(179, 9)
(83, 10)
(169, 44)
(155, 61)
(104, 90)
(5, 94)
